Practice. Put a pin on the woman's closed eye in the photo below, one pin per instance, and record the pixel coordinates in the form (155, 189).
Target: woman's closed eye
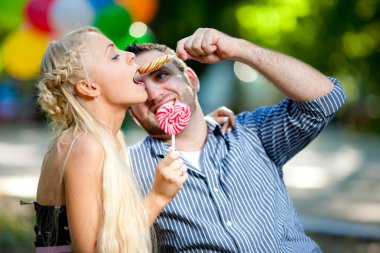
(115, 57)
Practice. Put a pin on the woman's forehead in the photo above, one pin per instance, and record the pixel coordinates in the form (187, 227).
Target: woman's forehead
(97, 41)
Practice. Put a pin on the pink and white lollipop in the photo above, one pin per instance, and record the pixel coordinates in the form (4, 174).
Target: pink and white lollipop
(173, 119)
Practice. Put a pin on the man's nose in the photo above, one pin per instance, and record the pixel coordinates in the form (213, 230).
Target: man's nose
(154, 91)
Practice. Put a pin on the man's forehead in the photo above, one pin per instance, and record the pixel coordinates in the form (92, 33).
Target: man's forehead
(148, 56)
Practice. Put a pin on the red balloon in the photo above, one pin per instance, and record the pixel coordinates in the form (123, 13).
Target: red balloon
(37, 13)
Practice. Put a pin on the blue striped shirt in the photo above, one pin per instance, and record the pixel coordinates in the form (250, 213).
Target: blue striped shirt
(238, 201)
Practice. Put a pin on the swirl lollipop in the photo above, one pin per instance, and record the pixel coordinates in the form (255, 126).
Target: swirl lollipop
(173, 119)
(154, 65)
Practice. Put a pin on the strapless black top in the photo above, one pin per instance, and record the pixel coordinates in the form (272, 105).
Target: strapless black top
(51, 226)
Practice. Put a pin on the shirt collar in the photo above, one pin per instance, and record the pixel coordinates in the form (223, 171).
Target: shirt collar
(160, 147)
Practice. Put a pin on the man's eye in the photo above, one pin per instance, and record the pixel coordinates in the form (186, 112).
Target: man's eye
(161, 76)
(115, 57)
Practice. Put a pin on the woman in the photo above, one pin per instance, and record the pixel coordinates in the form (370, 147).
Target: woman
(87, 200)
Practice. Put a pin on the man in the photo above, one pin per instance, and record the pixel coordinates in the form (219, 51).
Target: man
(234, 199)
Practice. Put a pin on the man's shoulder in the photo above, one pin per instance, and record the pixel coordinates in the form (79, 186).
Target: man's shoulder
(143, 144)
(250, 116)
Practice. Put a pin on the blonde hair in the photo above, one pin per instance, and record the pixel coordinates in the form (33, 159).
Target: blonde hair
(123, 226)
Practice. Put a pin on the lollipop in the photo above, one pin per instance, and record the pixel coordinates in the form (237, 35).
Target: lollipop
(154, 65)
(173, 119)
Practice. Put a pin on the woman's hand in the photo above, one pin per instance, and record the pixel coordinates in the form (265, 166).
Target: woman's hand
(168, 180)
(224, 117)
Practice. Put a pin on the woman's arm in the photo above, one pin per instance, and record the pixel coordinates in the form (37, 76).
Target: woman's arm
(169, 178)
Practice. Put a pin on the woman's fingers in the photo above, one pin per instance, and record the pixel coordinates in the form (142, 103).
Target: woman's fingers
(224, 117)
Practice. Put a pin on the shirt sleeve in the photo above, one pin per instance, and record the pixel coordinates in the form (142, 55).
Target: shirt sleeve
(286, 128)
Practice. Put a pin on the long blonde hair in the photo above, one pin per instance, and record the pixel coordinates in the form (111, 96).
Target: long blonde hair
(123, 225)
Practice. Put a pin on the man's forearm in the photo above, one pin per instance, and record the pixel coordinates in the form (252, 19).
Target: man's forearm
(295, 79)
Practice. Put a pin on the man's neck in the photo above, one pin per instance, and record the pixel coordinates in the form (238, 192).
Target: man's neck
(193, 137)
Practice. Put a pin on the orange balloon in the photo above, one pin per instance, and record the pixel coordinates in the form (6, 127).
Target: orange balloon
(23, 51)
(140, 10)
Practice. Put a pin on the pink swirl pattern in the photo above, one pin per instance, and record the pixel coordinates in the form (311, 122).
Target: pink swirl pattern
(173, 118)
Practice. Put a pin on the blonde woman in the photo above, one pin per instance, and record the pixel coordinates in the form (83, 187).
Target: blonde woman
(87, 200)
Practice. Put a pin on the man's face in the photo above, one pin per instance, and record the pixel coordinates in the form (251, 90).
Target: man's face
(165, 85)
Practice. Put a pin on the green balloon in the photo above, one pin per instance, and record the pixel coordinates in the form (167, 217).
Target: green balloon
(11, 14)
(113, 21)
(147, 37)
(129, 39)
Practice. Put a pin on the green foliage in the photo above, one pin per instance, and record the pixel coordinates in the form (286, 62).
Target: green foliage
(16, 230)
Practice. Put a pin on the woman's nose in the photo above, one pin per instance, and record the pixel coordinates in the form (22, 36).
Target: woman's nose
(130, 58)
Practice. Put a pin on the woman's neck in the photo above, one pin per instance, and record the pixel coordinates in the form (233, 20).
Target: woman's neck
(107, 114)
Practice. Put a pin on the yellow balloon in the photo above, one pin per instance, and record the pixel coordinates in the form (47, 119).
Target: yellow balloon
(23, 51)
(1, 60)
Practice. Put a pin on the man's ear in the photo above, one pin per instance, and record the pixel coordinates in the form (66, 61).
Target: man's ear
(87, 89)
(193, 78)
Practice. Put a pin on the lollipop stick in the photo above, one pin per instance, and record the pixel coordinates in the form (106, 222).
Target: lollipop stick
(173, 142)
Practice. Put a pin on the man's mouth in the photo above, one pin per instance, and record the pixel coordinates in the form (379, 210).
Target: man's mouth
(155, 107)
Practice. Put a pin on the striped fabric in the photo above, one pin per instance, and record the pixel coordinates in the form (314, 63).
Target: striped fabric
(238, 202)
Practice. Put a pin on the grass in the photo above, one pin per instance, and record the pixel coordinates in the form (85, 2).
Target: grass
(16, 228)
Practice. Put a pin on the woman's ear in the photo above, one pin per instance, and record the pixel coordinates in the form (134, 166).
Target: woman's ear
(193, 78)
(87, 89)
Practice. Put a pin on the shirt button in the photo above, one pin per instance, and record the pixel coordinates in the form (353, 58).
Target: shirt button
(229, 223)
(216, 189)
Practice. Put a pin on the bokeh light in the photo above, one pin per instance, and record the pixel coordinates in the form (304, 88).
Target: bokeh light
(138, 29)
(245, 73)
(358, 44)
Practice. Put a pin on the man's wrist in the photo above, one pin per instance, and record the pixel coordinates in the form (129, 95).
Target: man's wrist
(245, 51)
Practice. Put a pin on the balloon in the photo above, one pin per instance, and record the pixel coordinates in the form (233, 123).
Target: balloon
(37, 13)
(98, 5)
(8, 102)
(1, 60)
(114, 22)
(11, 13)
(141, 10)
(23, 51)
(66, 15)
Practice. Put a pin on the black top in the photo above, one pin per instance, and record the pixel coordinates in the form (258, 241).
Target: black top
(51, 226)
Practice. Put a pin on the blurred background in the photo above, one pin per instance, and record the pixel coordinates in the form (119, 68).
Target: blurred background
(334, 182)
